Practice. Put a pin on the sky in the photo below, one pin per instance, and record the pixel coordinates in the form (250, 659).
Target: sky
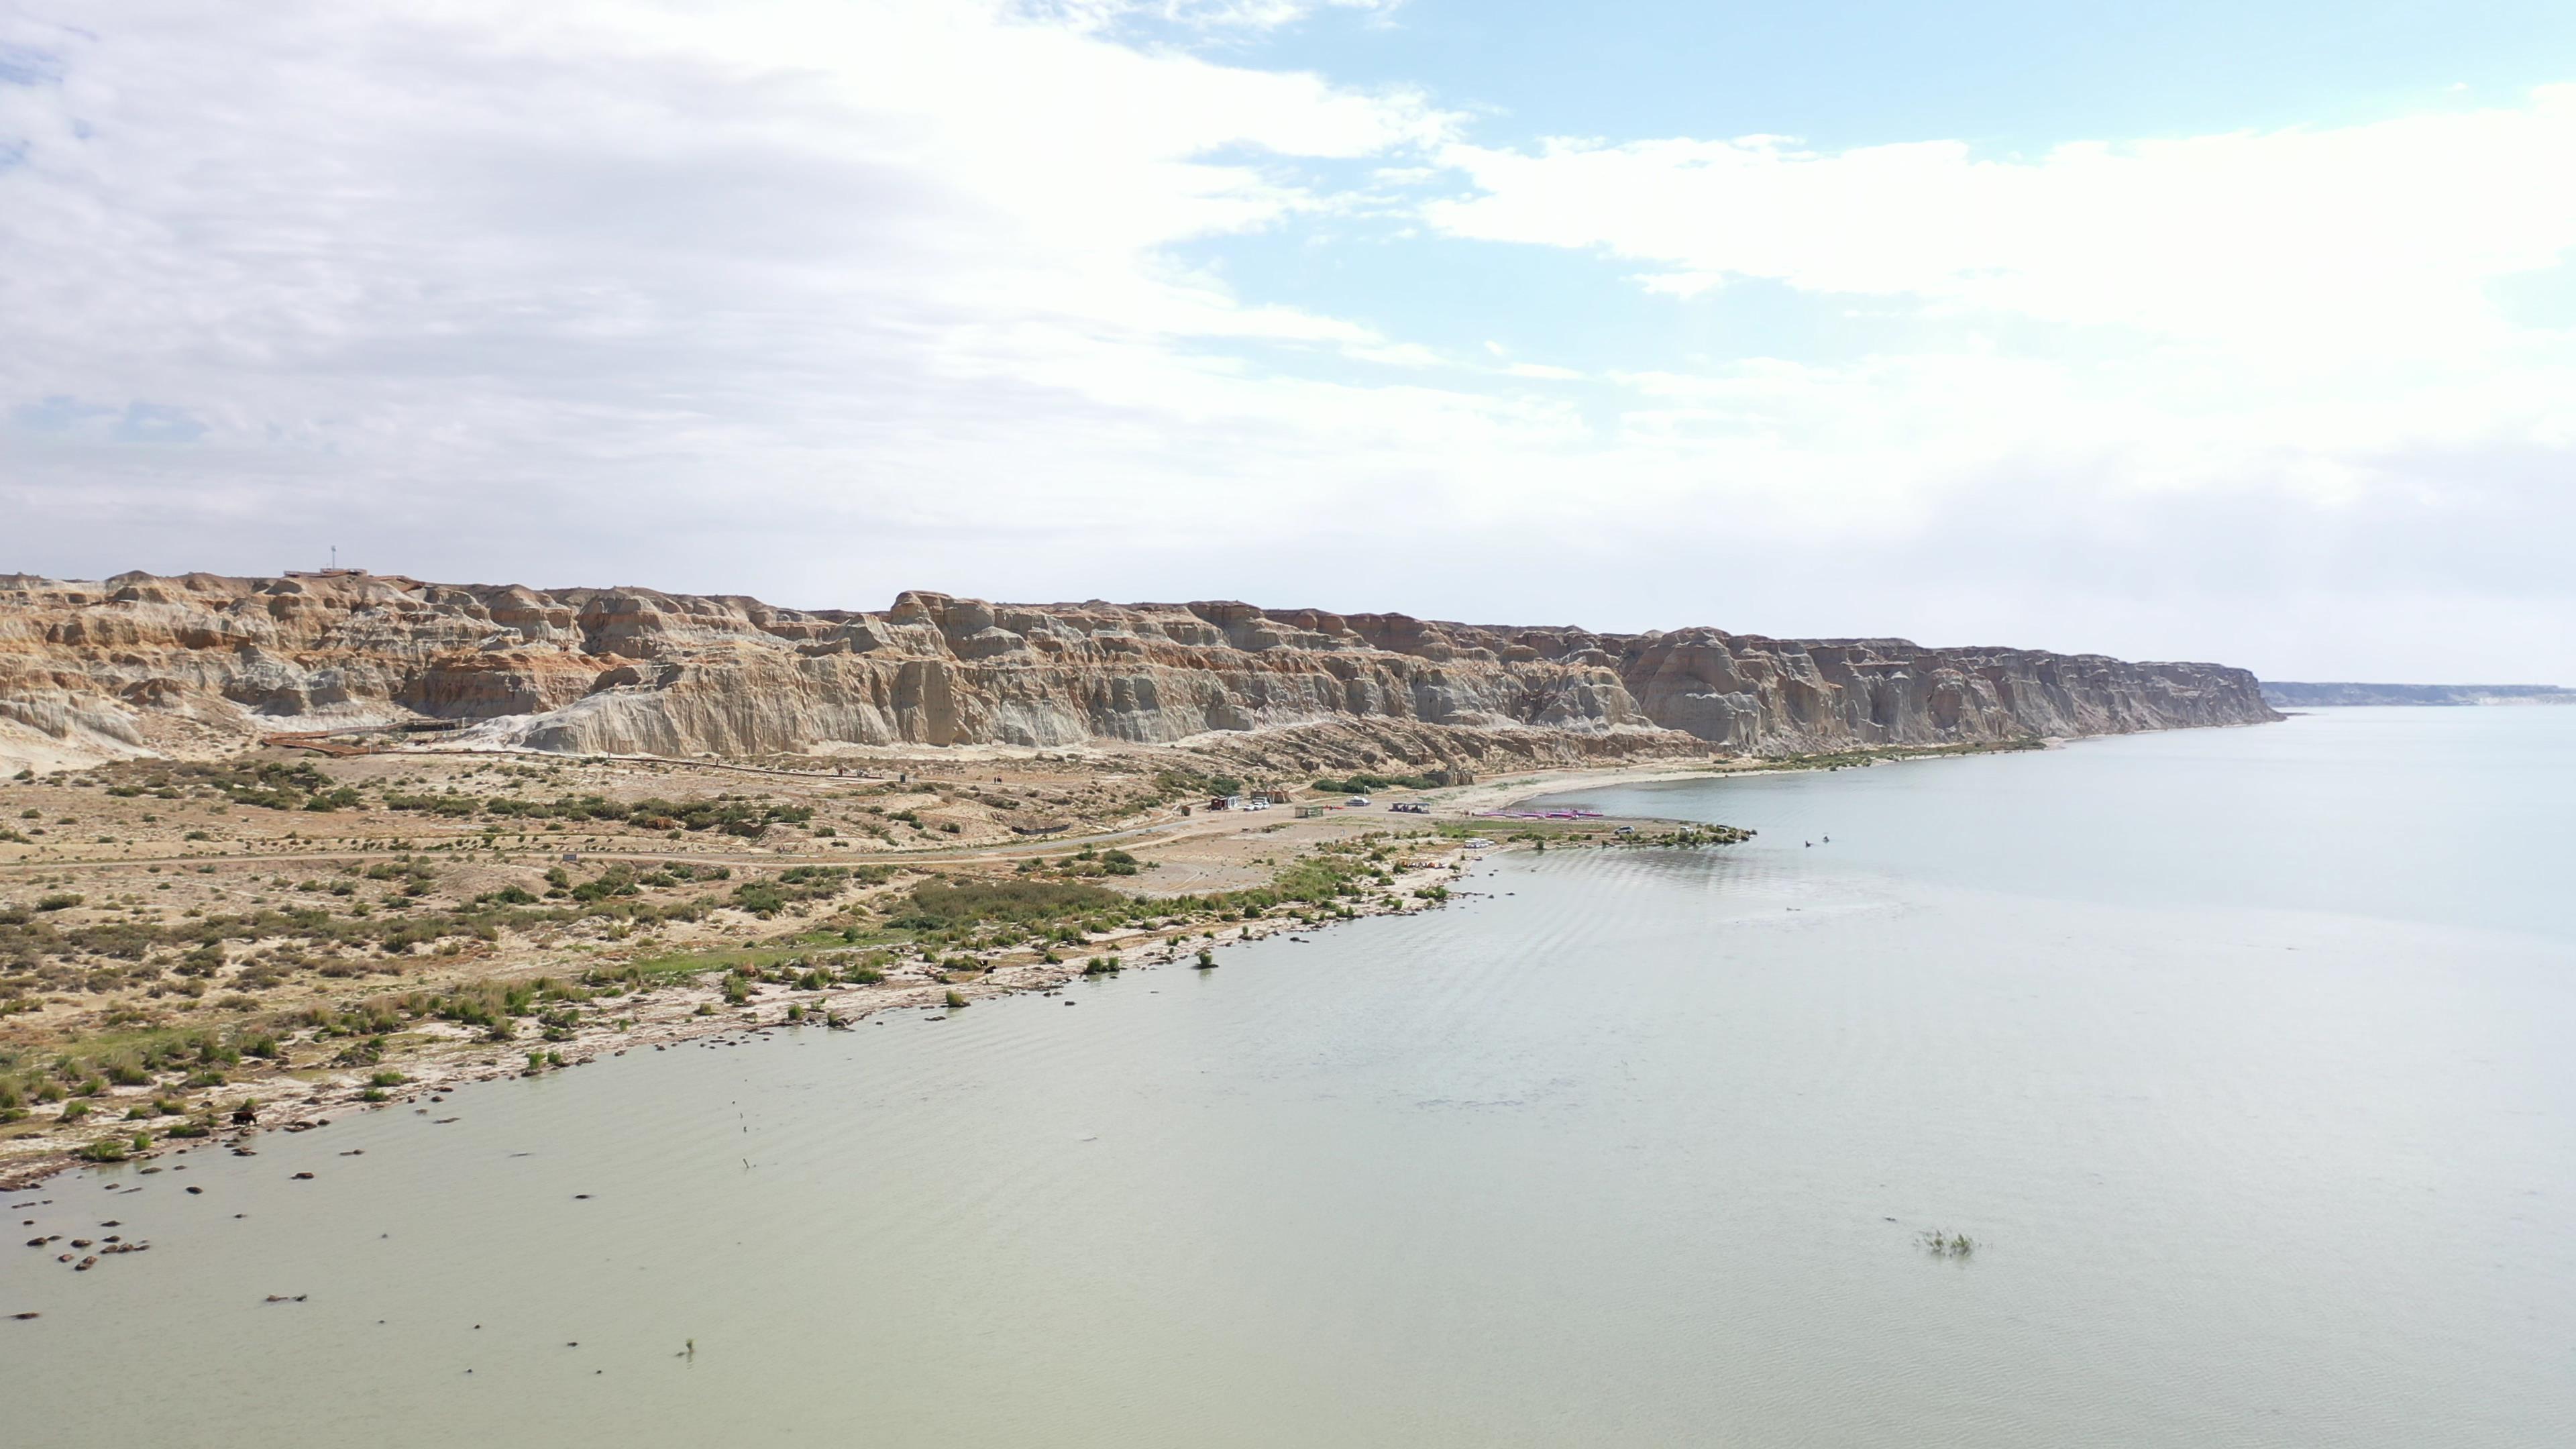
(2242, 332)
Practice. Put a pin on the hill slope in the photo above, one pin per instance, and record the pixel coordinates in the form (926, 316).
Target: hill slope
(201, 662)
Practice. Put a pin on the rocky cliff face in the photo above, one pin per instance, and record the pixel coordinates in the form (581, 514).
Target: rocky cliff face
(139, 662)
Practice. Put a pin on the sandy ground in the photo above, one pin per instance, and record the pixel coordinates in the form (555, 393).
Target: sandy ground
(125, 852)
(442, 1056)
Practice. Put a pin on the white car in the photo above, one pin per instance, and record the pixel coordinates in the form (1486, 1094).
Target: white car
(1359, 801)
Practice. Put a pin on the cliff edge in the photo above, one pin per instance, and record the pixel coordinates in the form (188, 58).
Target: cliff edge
(199, 662)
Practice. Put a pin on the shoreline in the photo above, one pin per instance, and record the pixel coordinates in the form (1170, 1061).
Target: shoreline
(1525, 786)
(432, 1069)
(692, 1006)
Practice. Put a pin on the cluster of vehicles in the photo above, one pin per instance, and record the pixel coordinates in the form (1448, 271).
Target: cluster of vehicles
(1264, 802)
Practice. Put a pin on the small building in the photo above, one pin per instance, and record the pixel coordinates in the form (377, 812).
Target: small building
(1309, 812)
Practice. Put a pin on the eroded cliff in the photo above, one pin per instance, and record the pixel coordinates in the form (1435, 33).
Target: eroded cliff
(197, 662)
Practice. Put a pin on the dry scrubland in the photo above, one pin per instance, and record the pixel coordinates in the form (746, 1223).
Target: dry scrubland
(187, 948)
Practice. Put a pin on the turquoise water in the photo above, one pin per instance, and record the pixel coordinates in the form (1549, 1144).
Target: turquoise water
(2243, 1055)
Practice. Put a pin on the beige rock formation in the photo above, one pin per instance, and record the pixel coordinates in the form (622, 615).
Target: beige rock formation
(184, 664)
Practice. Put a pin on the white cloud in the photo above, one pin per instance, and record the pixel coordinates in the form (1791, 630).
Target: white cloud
(825, 249)
(820, 301)
(2382, 236)
(1213, 15)
(2291, 336)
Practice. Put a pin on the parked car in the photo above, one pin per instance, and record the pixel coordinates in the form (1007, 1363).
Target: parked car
(1360, 801)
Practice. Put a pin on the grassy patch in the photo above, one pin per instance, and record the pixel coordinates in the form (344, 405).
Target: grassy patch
(945, 905)
(680, 965)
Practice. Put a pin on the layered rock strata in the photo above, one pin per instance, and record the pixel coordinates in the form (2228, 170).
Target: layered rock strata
(139, 662)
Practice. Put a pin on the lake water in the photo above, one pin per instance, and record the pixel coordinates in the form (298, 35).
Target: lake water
(2244, 1055)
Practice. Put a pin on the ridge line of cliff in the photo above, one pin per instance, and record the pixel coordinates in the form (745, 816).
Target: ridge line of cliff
(198, 661)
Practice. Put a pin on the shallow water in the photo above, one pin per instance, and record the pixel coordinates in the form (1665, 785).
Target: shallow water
(2243, 1055)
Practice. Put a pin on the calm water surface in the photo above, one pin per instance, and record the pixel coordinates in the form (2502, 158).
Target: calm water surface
(2245, 1056)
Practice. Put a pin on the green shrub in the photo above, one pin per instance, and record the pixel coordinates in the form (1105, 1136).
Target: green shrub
(945, 904)
(1363, 783)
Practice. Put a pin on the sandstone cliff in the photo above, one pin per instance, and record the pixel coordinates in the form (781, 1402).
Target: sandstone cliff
(198, 662)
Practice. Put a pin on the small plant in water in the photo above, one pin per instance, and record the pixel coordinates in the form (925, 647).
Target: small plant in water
(956, 1002)
(1940, 1243)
